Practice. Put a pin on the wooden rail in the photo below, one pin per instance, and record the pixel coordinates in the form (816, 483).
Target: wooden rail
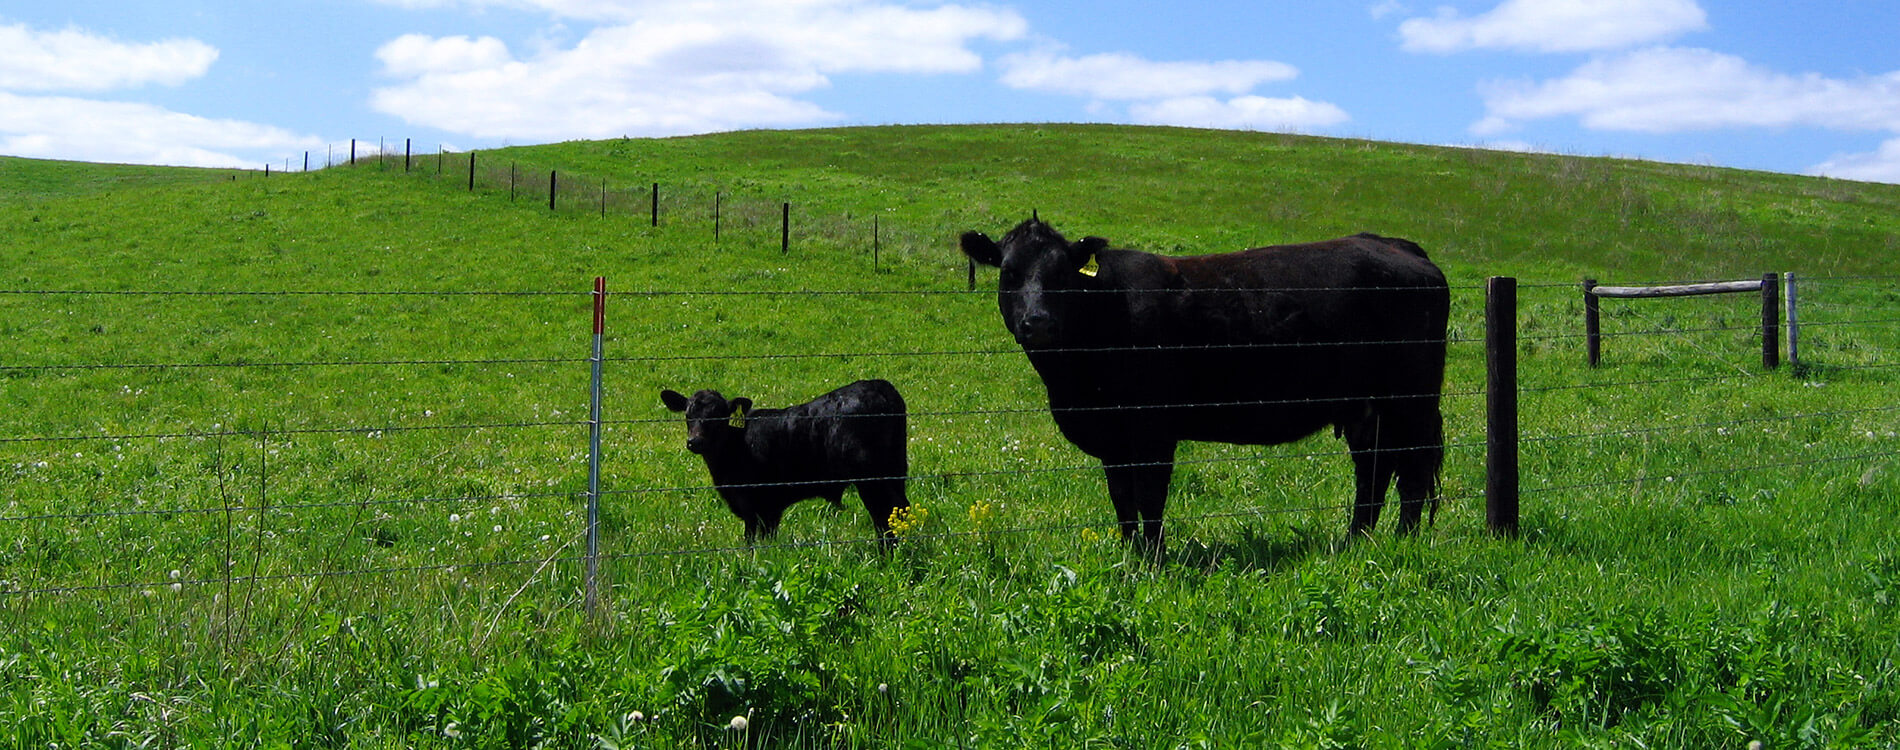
(1769, 286)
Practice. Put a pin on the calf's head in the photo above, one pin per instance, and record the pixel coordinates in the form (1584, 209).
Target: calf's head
(711, 420)
(1043, 278)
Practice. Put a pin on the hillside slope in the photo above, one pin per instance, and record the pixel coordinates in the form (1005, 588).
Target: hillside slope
(301, 460)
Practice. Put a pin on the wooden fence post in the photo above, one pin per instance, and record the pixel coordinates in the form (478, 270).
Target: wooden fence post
(1794, 324)
(405, 155)
(1592, 324)
(553, 178)
(1770, 321)
(785, 228)
(656, 204)
(1500, 347)
(471, 171)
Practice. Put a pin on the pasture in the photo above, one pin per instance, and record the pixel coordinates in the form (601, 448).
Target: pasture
(299, 461)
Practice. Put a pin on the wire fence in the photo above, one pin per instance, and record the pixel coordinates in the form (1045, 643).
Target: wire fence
(227, 465)
(286, 491)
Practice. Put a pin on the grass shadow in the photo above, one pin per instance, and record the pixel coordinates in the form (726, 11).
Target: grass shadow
(1252, 551)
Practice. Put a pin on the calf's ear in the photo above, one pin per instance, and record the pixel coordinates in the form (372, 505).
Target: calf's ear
(982, 249)
(673, 400)
(740, 406)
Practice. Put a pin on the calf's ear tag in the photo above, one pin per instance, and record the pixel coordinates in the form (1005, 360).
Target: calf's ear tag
(737, 419)
(1091, 268)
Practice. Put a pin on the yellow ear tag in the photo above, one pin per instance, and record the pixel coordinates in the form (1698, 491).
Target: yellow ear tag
(1091, 268)
(737, 420)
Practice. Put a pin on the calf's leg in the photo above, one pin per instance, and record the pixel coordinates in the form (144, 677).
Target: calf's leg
(881, 497)
(1138, 485)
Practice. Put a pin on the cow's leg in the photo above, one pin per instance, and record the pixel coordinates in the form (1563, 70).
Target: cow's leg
(1138, 485)
(1372, 469)
(762, 525)
(1419, 465)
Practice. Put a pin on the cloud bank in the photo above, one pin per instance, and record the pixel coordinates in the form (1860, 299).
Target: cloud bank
(1554, 26)
(38, 124)
(676, 68)
(1175, 93)
(1631, 82)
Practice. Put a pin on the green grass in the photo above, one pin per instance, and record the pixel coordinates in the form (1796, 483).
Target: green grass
(380, 460)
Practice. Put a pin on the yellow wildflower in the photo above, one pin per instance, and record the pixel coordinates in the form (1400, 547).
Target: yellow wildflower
(908, 520)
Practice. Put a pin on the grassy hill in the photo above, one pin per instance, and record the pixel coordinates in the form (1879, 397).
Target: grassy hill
(299, 460)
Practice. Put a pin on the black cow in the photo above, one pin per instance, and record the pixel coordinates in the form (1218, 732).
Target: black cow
(1140, 351)
(763, 460)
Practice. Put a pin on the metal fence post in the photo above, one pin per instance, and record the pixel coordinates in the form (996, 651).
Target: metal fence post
(1500, 347)
(593, 447)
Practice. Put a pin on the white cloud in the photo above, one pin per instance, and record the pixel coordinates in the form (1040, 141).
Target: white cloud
(1666, 90)
(1127, 77)
(1240, 113)
(33, 124)
(1386, 8)
(677, 68)
(1881, 165)
(83, 129)
(76, 60)
(1554, 26)
(1207, 94)
(416, 54)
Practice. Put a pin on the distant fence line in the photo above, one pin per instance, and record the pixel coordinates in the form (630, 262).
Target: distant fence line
(721, 209)
(1500, 442)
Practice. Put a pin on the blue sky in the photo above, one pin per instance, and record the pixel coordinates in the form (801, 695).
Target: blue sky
(1811, 88)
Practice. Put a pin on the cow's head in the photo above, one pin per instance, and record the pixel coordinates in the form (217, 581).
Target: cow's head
(1043, 276)
(711, 420)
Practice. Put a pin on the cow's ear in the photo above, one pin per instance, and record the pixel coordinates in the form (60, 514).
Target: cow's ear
(740, 406)
(982, 249)
(1085, 255)
(673, 400)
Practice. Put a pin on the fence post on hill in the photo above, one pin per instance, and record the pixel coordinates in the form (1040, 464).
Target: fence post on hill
(1500, 399)
(553, 177)
(1592, 324)
(1793, 334)
(1770, 321)
(656, 204)
(716, 196)
(785, 228)
(405, 155)
(471, 171)
(593, 447)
